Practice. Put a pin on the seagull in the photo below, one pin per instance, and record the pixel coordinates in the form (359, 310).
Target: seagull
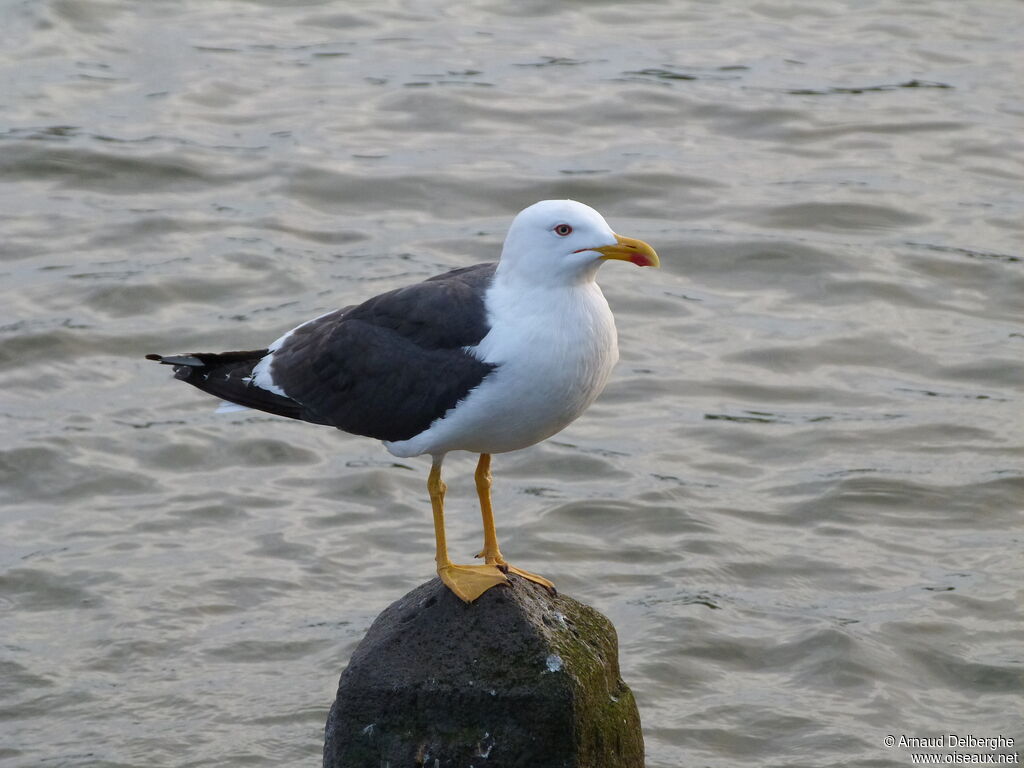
(489, 358)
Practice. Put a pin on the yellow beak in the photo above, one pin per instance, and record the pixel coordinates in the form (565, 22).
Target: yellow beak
(629, 249)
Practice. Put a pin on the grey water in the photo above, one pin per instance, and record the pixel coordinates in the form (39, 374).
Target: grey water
(799, 499)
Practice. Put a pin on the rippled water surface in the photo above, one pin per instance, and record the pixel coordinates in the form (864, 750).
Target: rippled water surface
(799, 499)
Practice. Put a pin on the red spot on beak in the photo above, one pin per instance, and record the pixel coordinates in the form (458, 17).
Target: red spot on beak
(640, 260)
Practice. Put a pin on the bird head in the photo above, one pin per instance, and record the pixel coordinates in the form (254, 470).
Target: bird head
(562, 241)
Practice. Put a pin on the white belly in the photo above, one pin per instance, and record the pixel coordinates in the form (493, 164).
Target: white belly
(554, 356)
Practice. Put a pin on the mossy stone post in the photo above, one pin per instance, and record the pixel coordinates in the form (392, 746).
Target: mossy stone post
(520, 677)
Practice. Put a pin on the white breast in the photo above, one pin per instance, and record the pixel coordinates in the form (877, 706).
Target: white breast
(554, 348)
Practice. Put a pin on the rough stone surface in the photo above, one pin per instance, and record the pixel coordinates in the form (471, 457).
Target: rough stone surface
(518, 678)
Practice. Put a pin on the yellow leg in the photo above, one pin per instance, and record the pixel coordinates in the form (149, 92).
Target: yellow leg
(491, 553)
(468, 582)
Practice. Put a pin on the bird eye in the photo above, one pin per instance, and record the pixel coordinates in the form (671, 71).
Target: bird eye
(563, 230)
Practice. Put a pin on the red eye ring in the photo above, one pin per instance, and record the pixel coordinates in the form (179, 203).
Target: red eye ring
(563, 230)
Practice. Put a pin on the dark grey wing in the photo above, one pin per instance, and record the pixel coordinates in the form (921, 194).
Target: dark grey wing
(389, 367)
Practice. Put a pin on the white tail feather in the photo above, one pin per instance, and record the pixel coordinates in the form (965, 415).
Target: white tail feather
(227, 407)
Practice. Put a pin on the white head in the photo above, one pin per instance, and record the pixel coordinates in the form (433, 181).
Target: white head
(564, 242)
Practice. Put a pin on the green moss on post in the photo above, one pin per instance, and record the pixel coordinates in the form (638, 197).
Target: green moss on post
(518, 678)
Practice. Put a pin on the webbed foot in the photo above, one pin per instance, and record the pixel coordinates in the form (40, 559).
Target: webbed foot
(546, 583)
(468, 582)
(500, 561)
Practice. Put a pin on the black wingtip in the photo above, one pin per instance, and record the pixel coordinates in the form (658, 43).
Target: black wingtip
(190, 361)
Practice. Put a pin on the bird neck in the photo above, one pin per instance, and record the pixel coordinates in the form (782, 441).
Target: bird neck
(547, 303)
(528, 281)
